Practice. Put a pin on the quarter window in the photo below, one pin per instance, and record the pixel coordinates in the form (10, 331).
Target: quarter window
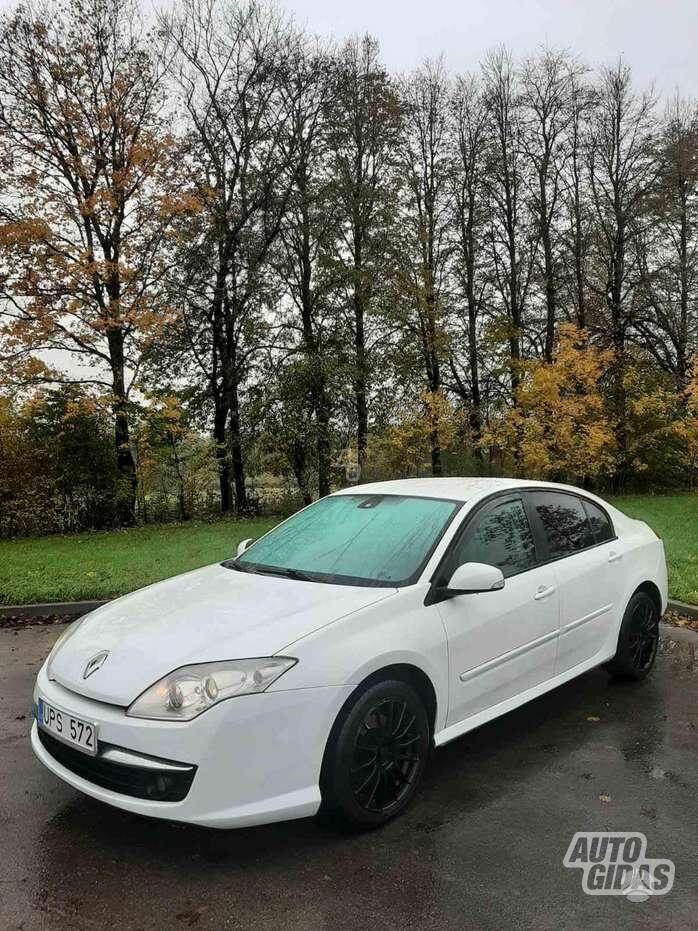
(564, 522)
(600, 523)
(500, 537)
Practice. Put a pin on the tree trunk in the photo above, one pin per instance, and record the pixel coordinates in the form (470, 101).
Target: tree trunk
(436, 464)
(220, 417)
(299, 464)
(126, 503)
(322, 415)
(181, 492)
(433, 373)
(682, 364)
(549, 293)
(360, 379)
(236, 451)
(475, 418)
(615, 305)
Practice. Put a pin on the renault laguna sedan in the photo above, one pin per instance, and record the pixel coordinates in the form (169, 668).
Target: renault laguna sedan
(321, 665)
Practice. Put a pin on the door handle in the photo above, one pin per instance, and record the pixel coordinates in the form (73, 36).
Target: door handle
(544, 592)
(614, 557)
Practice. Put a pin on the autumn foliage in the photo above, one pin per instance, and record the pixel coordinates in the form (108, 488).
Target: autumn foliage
(234, 256)
(559, 426)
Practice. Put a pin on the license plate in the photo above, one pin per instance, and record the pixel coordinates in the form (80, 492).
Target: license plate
(66, 727)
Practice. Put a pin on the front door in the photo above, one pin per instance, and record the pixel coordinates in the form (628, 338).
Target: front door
(500, 643)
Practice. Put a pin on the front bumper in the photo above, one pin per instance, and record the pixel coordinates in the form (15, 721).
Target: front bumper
(257, 757)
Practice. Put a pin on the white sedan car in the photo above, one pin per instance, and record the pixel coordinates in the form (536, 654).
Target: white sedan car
(322, 664)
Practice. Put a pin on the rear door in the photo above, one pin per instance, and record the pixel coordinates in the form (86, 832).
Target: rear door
(580, 542)
(500, 643)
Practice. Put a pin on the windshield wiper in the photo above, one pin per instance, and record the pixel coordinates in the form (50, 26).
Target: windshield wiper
(238, 566)
(280, 571)
(285, 573)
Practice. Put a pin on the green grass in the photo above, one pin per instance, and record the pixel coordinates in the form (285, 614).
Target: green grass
(675, 519)
(102, 565)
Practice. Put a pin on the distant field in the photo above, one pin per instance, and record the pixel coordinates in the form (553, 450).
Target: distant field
(675, 519)
(103, 565)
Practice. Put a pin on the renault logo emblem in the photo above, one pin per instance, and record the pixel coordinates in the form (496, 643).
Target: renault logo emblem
(95, 663)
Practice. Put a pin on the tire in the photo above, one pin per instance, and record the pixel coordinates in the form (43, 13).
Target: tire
(638, 639)
(376, 755)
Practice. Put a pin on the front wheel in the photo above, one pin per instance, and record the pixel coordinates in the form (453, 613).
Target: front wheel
(638, 639)
(376, 755)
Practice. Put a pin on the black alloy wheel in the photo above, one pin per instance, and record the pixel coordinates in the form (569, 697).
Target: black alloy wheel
(376, 755)
(638, 639)
(386, 755)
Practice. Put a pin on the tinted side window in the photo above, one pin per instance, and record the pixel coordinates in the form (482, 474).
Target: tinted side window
(500, 537)
(564, 521)
(600, 523)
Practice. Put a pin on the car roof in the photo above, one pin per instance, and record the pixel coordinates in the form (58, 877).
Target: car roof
(456, 489)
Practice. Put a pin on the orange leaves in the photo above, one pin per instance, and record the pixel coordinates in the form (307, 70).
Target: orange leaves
(182, 204)
(25, 232)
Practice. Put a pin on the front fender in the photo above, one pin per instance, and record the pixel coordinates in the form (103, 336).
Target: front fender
(398, 631)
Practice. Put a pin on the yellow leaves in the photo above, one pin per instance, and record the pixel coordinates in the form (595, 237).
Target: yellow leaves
(404, 448)
(80, 406)
(439, 417)
(559, 425)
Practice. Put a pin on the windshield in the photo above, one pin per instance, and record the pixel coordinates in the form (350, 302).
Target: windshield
(353, 539)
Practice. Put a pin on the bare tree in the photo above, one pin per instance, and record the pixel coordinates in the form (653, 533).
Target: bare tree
(470, 217)
(364, 134)
(229, 65)
(513, 242)
(308, 233)
(578, 226)
(621, 173)
(668, 251)
(425, 245)
(548, 82)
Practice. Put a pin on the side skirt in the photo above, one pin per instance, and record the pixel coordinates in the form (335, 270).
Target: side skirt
(482, 717)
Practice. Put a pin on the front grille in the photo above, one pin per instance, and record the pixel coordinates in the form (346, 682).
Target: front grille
(136, 781)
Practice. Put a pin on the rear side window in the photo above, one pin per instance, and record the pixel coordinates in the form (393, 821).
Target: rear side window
(600, 522)
(564, 522)
(500, 537)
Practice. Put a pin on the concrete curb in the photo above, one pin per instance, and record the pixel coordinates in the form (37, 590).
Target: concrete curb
(680, 607)
(71, 608)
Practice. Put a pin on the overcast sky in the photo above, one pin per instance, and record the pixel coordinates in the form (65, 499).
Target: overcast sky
(659, 38)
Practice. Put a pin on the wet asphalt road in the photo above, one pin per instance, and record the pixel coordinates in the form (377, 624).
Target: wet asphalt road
(482, 846)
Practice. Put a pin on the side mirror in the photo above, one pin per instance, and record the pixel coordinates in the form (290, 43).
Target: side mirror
(474, 577)
(243, 545)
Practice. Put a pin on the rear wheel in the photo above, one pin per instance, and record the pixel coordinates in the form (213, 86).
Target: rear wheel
(377, 754)
(638, 639)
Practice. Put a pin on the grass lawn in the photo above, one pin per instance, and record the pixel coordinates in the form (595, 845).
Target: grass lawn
(675, 519)
(102, 565)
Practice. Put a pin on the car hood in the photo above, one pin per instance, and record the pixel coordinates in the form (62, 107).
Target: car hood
(206, 615)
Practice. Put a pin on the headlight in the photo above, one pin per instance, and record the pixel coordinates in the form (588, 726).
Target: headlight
(67, 633)
(189, 690)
